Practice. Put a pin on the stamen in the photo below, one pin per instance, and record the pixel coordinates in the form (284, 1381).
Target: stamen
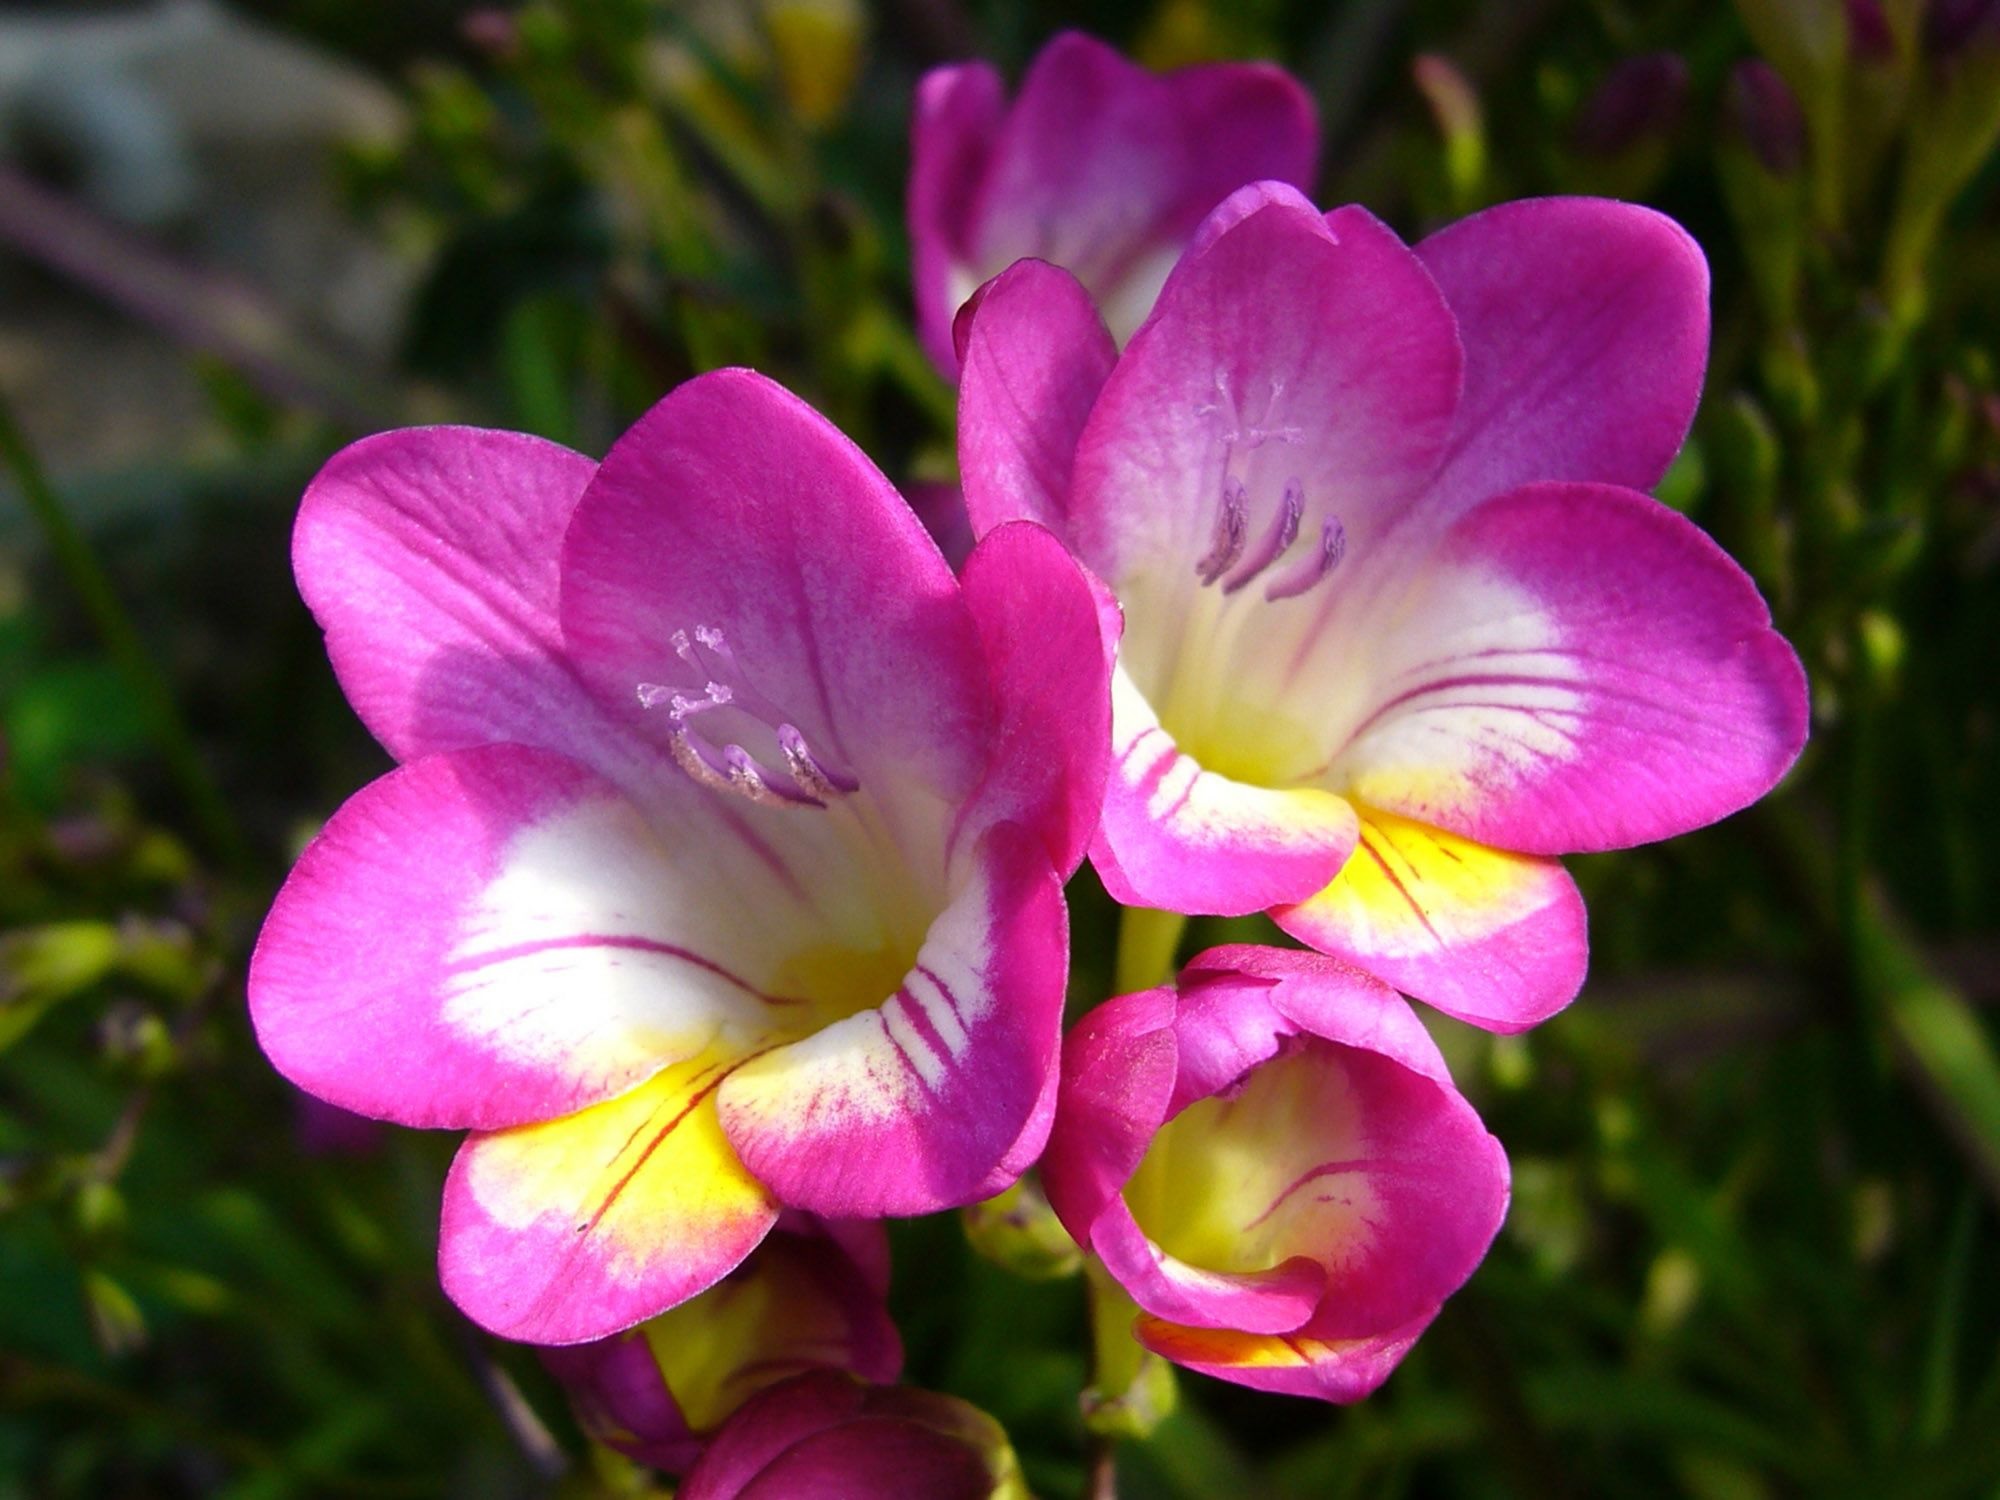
(1311, 569)
(808, 778)
(1232, 523)
(808, 770)
(1277, 541)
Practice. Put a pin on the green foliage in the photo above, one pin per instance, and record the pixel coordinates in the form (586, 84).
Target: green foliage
(1756, 1167)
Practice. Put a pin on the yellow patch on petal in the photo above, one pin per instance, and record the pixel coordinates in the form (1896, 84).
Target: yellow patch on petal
(839, 982)
(1228, 1348)
(1411, 888)
(1241, 1182)
(631, 1178)
(764, 1322)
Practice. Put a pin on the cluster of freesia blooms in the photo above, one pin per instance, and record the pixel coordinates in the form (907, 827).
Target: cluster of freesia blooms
(718, 892)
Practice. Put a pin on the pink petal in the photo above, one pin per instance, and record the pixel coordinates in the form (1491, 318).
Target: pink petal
(1293, 1364)
(1238, 1002)
(732, 513)
(1276, 1300)
(958, 112)
(1036, 355)
(577, 1228)
(1493, 938)
(1292, 352)
(1585, 325)
(1178, 837)
(1118, 1068)
(496, 936)
(1050, 665)
(1106, 169)
(823, 1437)
(909, 1106)
(1577, 667)
(429, 557)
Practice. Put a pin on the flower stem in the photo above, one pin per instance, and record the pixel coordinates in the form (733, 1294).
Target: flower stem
(79, 563)
(1147, 943)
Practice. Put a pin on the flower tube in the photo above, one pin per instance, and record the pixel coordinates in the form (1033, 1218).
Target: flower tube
(1399, 625)
(1271, 1159)
(1098, 165)
(810, 1297)
(722, 873)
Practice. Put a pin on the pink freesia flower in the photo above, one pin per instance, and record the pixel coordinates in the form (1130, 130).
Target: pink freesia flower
(723, 870)
(1271, 1159)
(810, 1297)
(825, 1437)
(1399, 625)
(1099, 166)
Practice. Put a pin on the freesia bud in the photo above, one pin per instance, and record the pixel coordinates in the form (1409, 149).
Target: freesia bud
(1953, 26)
(810, 1298)
(1870, 38)
(1018, 1230)
(1640, 100)
(817, 47)
(825, 1434)
(1270, 1158)
(1097, 165)
(1761, 109)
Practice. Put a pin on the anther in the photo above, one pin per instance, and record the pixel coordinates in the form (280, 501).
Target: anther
(1277, 541)
(715, 759)
(1232, 522)
(1317, 565)
(808, 770)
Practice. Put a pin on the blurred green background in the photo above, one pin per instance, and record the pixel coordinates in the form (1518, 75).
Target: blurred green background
(1753, 1246)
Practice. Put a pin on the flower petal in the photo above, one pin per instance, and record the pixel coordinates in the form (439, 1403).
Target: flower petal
(1382, 1179)
(1585, 323)
(1036, 355)
(1293, 351)
(1239, 1001)
(1106, 168)
(1576, 667)
(1118, 1068)
(1294, 1364)
(1274, 1300)
(907, 1107)
(1050, 663)
(496, 936)
(429, 558)
(577, 1228)
(824, 1437)
(1493, 938)
(1178, 837)
(734, 508)
(958, 112)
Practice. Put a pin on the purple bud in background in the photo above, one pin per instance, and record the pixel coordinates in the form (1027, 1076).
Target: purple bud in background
(1950, 26)
(490, 30)
(323, 1129)
(1869, 37)
(1760, 107)
(1643, 97)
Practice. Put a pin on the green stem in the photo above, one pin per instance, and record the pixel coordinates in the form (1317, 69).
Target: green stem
(1147, 943)
(79, 563)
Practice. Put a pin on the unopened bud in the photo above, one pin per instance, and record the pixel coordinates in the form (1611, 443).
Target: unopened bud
(1641, 99)
(1455, 105)
(491, 31)
(1870, 38)
(1953, 26)
(1761, 108)
(1020, 1232)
